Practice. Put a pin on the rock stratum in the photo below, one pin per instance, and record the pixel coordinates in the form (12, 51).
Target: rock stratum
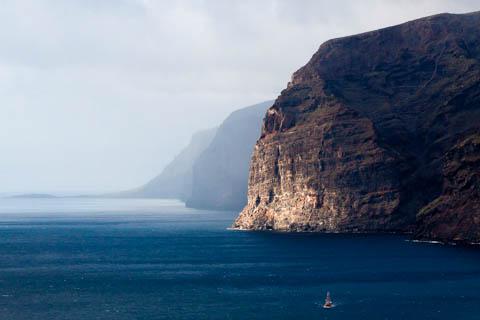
(378, 132)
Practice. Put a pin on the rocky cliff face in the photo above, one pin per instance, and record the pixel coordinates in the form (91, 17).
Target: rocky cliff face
(375, 129)
(455, 214)
(220, 174)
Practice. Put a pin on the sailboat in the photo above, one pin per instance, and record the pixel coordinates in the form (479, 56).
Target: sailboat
(328, 302)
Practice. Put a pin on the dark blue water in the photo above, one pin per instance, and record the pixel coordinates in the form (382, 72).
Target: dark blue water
(136, 259)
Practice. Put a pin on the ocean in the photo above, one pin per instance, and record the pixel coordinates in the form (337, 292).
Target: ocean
(80, 258)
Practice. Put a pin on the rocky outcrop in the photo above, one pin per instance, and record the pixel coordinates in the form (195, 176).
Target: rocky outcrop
(175, 181)
(455, 214)
(220, 174)
(375, 129)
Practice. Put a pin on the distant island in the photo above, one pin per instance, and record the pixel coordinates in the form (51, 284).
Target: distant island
(34, 196)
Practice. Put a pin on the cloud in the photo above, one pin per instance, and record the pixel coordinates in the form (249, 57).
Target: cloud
(100, 95)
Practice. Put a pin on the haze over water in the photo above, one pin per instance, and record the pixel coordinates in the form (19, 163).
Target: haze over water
(155, 259)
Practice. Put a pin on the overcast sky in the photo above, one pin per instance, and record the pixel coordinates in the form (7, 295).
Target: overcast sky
(99, 95)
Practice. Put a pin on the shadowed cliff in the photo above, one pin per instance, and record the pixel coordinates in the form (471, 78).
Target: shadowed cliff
(220, 174)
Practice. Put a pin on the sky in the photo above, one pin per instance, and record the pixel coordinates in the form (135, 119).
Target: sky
(99, 95)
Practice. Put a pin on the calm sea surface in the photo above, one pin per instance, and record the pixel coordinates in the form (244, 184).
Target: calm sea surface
(153, 259)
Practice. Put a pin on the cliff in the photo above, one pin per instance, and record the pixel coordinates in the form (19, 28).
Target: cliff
(175, 181)
(377, 132)
(455, 214)
(220, 174)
